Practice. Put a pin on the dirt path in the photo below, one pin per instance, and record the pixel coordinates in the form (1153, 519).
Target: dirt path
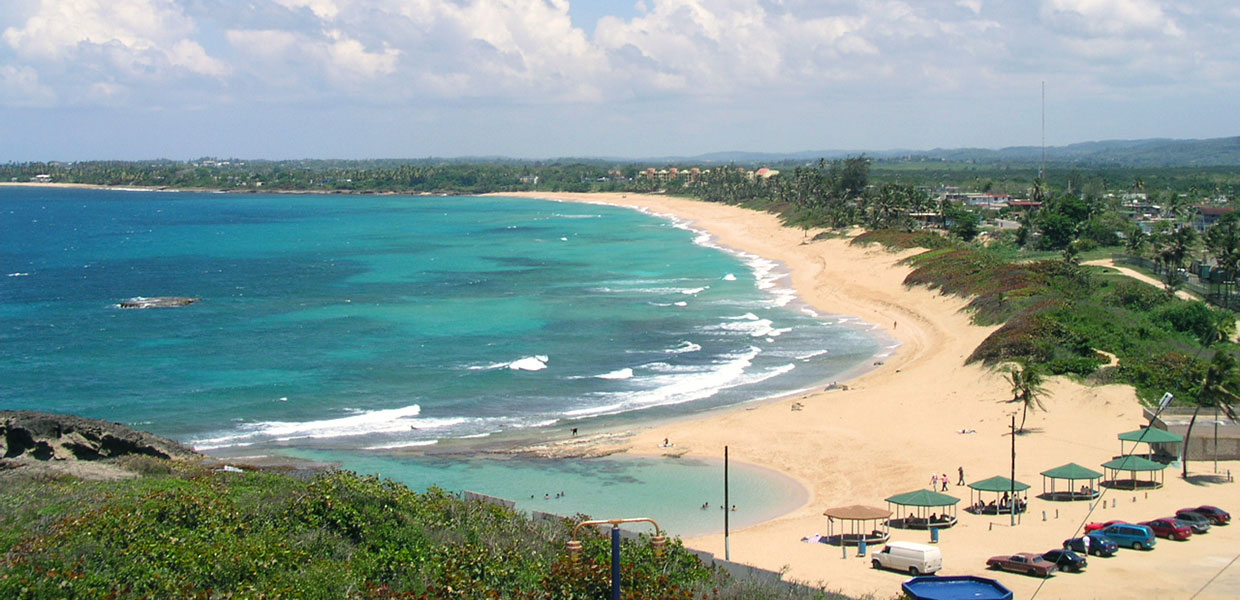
(1106, 262)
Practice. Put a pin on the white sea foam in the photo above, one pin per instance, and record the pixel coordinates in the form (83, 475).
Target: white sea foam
(750, 324)
(694, 291)
(814, 354)
(729, 277)
(405, 444)
(19, 274)
(678, 388)
(363, 422)
(684, 347)
(530, 363)
(625, 373)
(680, 303)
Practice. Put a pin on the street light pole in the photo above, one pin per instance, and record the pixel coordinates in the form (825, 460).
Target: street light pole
(615, 561)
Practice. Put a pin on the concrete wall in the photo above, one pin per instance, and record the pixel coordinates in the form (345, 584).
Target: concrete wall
(738, 571)
(1201, 446)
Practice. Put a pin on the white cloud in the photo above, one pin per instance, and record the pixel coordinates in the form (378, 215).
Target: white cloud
(134, 35)
(973, 5)
(349, 58)
(20, 86)
(738, 57)
(1111, 17)
(325, 9)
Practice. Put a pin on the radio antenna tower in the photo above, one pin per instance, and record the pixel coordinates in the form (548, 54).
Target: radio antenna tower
(1042, 169)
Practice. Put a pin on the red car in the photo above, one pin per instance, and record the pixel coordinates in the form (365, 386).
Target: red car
(1171, 529)
(1022, 562)
(1097, 526)
(1214, 513)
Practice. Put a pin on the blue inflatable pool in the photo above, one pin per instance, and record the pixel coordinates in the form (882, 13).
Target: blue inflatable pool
(955, 587)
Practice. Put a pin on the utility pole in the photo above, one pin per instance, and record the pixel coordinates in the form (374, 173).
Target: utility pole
(1012, 498)
(727, 542)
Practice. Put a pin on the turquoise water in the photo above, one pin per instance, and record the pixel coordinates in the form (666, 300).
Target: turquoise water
(670, 491)
(361, 324)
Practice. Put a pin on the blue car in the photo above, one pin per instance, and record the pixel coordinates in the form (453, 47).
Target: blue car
(1137, 537)
(1098, 545)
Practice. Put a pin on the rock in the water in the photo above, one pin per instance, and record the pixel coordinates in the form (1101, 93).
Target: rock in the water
(159, 302)
(46, 436)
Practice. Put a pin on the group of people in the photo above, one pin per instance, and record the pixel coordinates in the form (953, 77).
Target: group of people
(706, 505)
(940, 482)
(1003, 505)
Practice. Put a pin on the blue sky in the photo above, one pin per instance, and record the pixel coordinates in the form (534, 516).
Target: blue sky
(134, 79)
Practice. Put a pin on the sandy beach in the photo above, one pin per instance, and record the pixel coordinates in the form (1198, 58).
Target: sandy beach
(899, 423)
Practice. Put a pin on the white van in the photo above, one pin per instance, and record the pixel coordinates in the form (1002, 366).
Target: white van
(917, 559)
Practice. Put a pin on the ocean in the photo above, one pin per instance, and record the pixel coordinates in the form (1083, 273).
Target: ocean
(357, 327)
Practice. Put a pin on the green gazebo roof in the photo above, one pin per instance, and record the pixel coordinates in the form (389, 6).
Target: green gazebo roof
(923, 498)
(998, 483)
(1134, 463)
(1152, 435)
(1071, 471)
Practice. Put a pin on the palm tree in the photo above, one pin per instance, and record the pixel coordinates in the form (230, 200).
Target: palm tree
(1027, 388)
(1222, 372)
(1137, 240)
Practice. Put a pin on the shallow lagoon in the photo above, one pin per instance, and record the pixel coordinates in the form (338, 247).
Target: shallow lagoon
(669, 490)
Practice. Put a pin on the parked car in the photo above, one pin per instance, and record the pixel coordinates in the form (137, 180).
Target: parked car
(1217, 515)
(1172, 529)
(907, 556)
(1137, 537)
(1199, 522)
(1099, 545)
(1022, 562)
(1065, 560)
(1100, 526)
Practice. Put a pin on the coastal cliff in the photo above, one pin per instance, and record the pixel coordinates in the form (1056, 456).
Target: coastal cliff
(39, 441)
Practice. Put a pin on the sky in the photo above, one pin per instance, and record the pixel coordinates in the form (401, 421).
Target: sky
(539, 79)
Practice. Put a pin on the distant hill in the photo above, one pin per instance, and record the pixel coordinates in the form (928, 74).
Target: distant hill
(1217, 152)
(1156, 152)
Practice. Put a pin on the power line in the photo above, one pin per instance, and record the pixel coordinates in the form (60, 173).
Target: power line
(1140, 439)
(1220, 572)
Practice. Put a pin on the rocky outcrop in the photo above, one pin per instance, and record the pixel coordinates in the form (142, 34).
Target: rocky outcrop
(159, 302)
(26, 435)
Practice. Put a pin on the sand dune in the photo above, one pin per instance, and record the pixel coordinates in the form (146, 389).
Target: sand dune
(897, 424)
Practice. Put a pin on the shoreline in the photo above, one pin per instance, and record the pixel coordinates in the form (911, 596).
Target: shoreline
(896, 423)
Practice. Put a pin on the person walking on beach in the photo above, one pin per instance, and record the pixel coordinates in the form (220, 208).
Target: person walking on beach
(944, 478)
(934, 481)
(961, 480)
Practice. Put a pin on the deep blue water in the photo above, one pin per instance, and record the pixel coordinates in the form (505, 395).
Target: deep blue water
(372, 322)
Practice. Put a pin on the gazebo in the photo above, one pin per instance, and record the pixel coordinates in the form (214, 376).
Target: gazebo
(1073, 473)
(1134, 464)
(1149, 436)
(922, 500)
(1000, 505)
(854, 525)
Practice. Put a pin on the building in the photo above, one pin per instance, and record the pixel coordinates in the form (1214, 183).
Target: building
(1207, 216)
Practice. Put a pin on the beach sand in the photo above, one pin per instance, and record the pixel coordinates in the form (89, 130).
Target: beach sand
(895, 425)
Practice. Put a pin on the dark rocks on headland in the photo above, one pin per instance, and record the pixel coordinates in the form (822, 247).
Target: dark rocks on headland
(159, 302)
(30, 437)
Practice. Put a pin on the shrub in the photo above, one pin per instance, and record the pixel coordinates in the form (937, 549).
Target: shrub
(1193, 318)
(1135, 295)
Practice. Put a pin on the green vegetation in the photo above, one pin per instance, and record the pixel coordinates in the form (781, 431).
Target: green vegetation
(192, 533)
(1056, 316)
